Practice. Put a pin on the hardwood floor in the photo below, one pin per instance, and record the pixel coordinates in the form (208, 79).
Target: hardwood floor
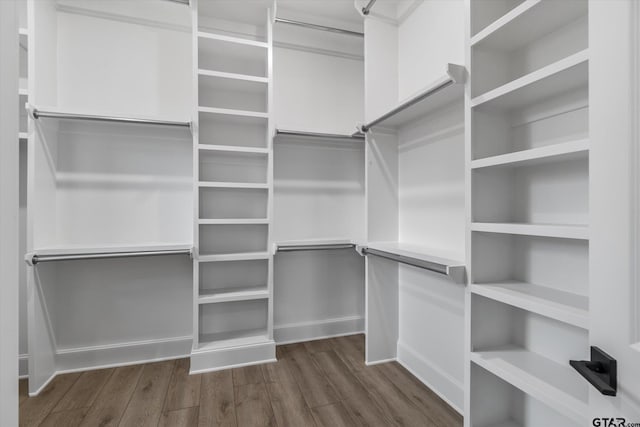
(318, 383)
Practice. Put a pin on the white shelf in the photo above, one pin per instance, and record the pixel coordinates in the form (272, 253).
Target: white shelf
(439, 261)
(312, 244)
(562, 76)
(236, 113)
(234, 294)
(528, 22)
(557, 385)
(248, 256)
(23, 32)
(234, 221)
(233, 149)
(556, 152)
(93, 250)
(23, 91)
(566, 231)
(209, 342)
(247, 185)
(444, 91)
(230, 39)
(553, 303)
(23, 136)
(233, 76)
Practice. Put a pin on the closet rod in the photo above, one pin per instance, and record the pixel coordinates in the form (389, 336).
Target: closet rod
(36, 259)
(427, 265)
(367, 8)
(87, 117)
(409, 103)
(284, 132)
(312, 247)
(319, 27)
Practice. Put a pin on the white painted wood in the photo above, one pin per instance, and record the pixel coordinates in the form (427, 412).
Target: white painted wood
(544, 230)
(9, 202)
(562, 76)
(613, 250)
(234, 149)
(558, 152)
(232, 112)
(232, 185)
(559, 305)
(528, 21)
(557, 385)
(320, 329)
(230, 39)
(242, 294)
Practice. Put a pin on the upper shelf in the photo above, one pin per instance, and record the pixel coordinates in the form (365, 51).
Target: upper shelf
(427, 258)
(66, 115)
(443, 91)
(527, 22)
(562, 76)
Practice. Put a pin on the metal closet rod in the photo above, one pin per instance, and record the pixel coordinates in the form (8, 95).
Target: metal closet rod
(427, 265)
(36, 259)
(87, 117)
(285, 132)
(317, 247)
(320, 27)
(409, 103)
(367, 8)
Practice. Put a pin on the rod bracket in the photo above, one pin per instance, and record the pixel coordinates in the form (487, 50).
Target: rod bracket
(601, 371)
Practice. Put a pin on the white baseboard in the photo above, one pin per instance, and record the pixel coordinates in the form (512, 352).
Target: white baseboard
(130, 353)
(23, 366)
(309, 331)
(444, 385)
(209, 360)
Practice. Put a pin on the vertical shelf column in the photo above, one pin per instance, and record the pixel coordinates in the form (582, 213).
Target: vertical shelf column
(233, 182)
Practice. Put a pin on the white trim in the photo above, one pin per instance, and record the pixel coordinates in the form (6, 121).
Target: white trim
(318, 329)
(318, 51)
(43, 386)
(379, 362)
(445, 386)
(23, 366)
(231, 357)
(324, 337)
(239, 365)
(635, 174)
(121, 354)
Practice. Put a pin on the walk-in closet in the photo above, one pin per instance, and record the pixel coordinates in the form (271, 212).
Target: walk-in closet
(320, 213)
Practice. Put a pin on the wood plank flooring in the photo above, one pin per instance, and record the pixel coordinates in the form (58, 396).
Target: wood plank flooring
(317, 383)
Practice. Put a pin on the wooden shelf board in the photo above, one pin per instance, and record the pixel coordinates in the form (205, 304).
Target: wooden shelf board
(233, 221)
(557, 385)
(233, 149)
(233, 294)
(209, 342)
(212, 184)
(237, 113)
(230, 39)
(248, 256)
(562, 76)
(528, 22)
(580, 232)
(556, 152)
(233, 76)
(556, 304)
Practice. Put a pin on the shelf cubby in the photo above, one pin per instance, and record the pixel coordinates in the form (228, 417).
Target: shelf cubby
(547, 193)
(558, 264)
(560, 152)
(235, 92)
(232, 323)
(228, 203)
(497, 403)
(236, 167)
(233, 239)
(232, 131)
(484, 13)
(558, 117)
(233, 281)
(521, 348)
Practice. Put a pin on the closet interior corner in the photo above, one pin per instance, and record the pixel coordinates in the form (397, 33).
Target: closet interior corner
(210, 179)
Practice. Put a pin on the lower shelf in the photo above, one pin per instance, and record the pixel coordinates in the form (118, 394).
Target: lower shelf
(234, 257)
(559, 305)
(218, 341)
(211, 296)
(556, 385)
